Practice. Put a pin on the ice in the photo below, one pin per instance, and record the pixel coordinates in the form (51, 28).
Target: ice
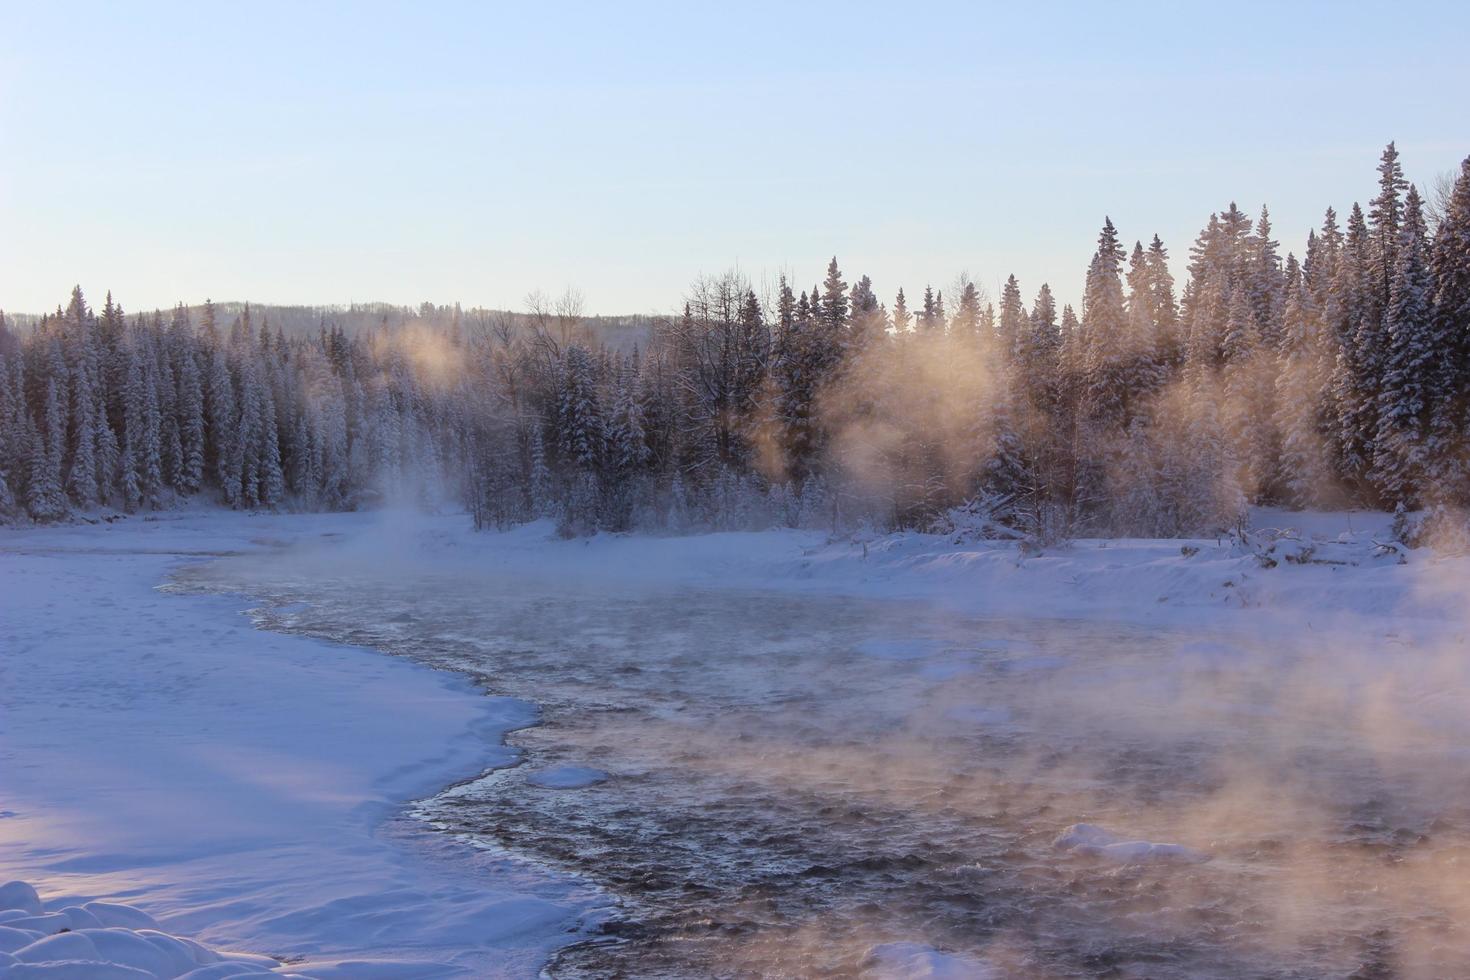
(1093, 841)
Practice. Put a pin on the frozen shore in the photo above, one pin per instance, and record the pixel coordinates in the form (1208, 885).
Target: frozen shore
(241, 787)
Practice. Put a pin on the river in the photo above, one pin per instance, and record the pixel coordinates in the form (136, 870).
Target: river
(773, 785)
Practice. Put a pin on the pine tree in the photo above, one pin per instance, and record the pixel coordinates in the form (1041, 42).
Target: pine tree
(902, 319)
(1040, 356)
(44, 498)
(627, 441)
(929, 318)
(785, 308)
(868, 324)
(1104, 334)
(1446, 451)
(7, 496)
(1247, 412)
(1137, 507)
(1399, 460)
(1164, 309)
(82, 476)
(145, 423)
(1386, 215)
(336, 488)
(1012, 328)
(966, 321)
(834, 300)
(1264, 281)
(191, 427)
(272, 477)
(1355, 376)
(579, 417)
(1303, 374)
(223, 427)
(539, 488)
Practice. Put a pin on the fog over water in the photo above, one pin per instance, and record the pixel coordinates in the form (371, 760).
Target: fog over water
(773, 784)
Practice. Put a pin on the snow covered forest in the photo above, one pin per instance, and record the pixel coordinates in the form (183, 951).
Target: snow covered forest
(1339, 378)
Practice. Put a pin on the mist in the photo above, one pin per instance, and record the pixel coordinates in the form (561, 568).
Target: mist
(824, 778)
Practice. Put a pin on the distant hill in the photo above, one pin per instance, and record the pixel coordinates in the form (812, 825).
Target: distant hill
(616, 332)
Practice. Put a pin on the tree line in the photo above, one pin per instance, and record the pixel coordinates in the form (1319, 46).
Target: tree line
(1339, 378)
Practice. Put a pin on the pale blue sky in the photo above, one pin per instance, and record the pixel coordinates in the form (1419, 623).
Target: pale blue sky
(326, 153)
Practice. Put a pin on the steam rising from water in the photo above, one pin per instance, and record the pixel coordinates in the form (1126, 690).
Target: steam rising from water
(795, 780)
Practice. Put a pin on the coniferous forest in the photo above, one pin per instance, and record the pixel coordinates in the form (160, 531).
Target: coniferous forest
(1340, 377)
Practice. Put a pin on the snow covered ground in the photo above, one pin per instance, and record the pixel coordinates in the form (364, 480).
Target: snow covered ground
(245, 788)
(1344, 573)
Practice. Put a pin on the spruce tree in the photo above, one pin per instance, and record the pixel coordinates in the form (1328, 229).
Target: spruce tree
(834, 300)
(868, 322)
(1385, 214)
(191, 420)
(44, 498)
(1164, 308)
(81, 481)
(1104, 329)
(1011, 329)
(1447, 452)
(1303, 373)
(902, 319)
(1355, 376)
(1404, 401)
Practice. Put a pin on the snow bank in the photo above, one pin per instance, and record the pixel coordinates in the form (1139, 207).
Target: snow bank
(241, 787)
(106, 941)
(1322, 567)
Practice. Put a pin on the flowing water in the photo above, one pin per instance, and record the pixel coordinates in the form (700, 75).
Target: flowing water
(772, 784)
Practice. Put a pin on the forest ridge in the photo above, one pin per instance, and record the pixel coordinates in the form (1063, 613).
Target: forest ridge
(1342, 377)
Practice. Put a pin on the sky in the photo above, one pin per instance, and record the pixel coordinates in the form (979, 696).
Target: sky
(322, 153)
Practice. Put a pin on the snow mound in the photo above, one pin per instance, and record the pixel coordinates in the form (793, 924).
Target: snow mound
(105, 941)
(20, 897)
(566, 777)
(913, 961)
(1093, 841)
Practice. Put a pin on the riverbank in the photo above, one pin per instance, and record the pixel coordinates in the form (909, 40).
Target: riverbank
(242, 787)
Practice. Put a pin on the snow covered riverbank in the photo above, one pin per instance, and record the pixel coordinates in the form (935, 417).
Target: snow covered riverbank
(244, 787)
(1308, 570)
